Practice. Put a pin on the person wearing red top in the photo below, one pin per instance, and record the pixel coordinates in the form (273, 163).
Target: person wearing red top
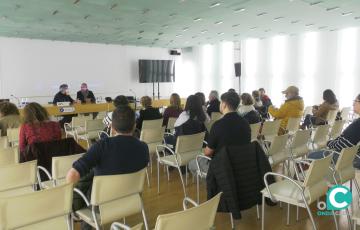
(174, 109)
(37, 127)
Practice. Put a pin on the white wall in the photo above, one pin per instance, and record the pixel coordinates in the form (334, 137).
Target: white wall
(313, 61)
(36, 68)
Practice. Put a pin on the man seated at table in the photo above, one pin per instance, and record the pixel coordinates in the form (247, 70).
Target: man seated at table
(85, 95)
(64, 96)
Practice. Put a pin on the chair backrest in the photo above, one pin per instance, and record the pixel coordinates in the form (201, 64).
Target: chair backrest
(61, 165)
(171, 123)
(13, 135)
(278, 149)
(271, 128)
(331, 116)
(9, 156)
(36, 210)
(118, 196)
(17, 175)
(299, 144)
(321, 135)
(344, 165)
(216, 116)
(94, 125)
(201, 217)
(149, 124)
(153, 135)
(255, 128)
(345, 112)
(315, 183)
(308, 110)
(79, 121)
(189, 143)
(337, 128)
(293, 124)
(4, 142)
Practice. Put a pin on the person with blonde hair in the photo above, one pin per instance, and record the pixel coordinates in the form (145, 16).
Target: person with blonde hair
(9, 117)
(148, 112)
(174, 110)
(37, 126)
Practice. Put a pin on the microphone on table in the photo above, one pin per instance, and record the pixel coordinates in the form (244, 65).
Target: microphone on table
(134, 97)
(16, 98)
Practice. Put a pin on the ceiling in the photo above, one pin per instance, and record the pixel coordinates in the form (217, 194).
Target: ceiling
(171, 23)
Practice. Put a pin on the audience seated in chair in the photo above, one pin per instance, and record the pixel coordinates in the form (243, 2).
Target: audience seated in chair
(320, 112)
(120, 100)
(120, 154)
(190, 121)
(203, 103)
(213, 103)
(231, 129)
(148, 112)
(349, 137)
(174, 110)
(37, 127)
(247, 109)
(9, 117)
(293, 107)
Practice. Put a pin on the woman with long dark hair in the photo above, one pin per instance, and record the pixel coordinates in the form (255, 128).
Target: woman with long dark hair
(320, 112)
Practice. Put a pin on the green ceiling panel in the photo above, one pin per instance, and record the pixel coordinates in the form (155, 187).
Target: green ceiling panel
(170, 23)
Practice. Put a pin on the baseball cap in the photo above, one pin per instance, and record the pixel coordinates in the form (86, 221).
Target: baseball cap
(291, 89)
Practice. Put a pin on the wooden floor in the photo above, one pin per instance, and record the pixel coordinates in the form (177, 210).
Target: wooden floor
(171, 196)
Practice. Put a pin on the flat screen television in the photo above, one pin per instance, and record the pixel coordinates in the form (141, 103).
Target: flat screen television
(156, 71)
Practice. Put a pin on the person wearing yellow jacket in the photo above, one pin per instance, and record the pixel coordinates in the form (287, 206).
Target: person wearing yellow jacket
(293, 107)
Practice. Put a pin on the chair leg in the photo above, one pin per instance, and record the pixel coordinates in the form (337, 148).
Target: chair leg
(257, 212)
(232, 221)
(348, 217)
(263, 213)
(158, 176)
(144, 216)
(197, 188)
(182, 180)
(288, 215)
(297, 213)
(356, 186)
(335, 220)
(311, 216)
(167, 172)
(147, 178)
(186, 175)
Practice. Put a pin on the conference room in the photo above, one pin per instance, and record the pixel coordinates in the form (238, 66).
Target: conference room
(178, 115)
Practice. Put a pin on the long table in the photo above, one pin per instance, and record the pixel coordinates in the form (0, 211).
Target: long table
(54, 110)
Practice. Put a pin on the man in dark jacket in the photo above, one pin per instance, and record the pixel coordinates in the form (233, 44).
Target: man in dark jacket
(213, 105)
(64, 96)
(85, 95)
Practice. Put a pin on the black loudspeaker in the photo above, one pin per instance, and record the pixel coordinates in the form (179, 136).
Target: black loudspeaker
(174, 52)
(237, 69)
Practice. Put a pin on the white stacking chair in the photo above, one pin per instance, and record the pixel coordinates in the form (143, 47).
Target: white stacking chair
(331, 116)
(115, 197)
(201, 217)
(187, 148)
(293, 125)
(150, 124)
(91, 130)
(200, 174)
(216, 116)
(255, 129)
(48, 209)
(13, 136)
(17, 179)
(278, 152)
(345, 113)
(9, 156)
(300, 194)
(269, 131)
(4, 142)
(320, 137)
(59, 169)
(121, 226)
(336, 129)
(76, 122)
(152, 137)
(171, 124)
